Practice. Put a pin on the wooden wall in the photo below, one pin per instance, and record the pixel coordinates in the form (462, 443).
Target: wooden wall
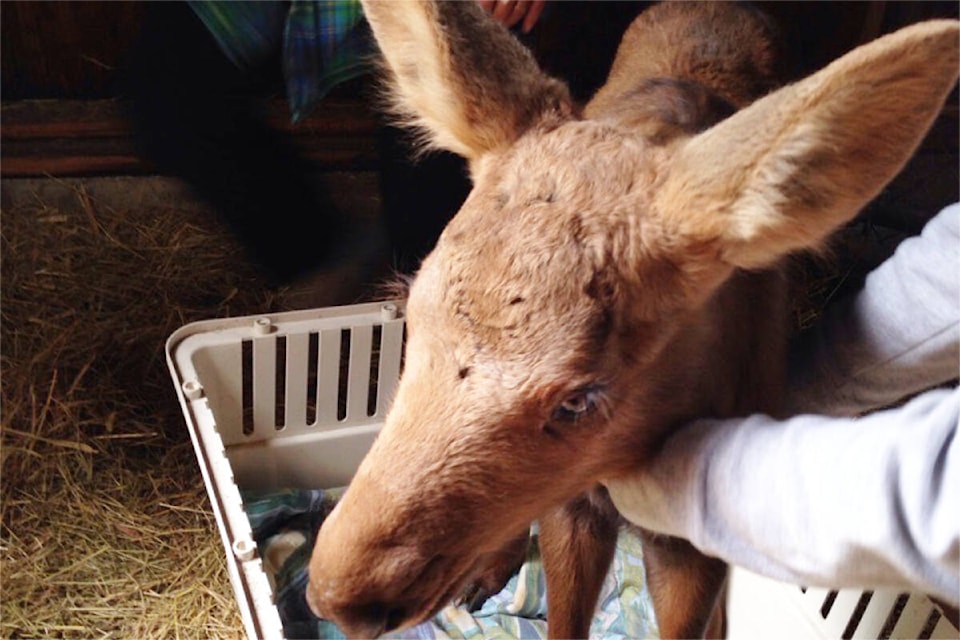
(64, 49)
(72, 53)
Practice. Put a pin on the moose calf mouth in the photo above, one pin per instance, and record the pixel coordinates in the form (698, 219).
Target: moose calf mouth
(369, 616)
(362, 619)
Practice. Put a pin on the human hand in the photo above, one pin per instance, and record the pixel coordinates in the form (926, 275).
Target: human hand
(661, 494)
(644, 501)
(510, 12)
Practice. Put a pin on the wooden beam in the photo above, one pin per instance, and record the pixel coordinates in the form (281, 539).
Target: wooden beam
(93, 137)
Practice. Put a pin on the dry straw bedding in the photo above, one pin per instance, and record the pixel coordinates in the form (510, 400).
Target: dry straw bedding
(106, 527)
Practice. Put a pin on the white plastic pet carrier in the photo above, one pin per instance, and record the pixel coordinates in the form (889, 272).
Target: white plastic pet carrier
(294, 400)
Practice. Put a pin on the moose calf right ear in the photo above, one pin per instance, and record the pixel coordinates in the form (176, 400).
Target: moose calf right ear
(786, 171)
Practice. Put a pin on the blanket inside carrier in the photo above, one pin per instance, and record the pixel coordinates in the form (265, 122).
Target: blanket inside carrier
(285, 525)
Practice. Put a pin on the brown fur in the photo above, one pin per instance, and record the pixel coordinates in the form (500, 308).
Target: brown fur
(600, 262)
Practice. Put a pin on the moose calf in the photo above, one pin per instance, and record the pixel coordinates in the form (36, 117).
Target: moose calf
(613, 273)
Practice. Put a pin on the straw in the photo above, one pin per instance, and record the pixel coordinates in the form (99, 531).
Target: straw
(106, 526)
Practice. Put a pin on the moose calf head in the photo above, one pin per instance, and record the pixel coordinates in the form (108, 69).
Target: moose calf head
(557, 301)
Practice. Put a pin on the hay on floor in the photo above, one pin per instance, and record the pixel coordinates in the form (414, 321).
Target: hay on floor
(106, 526)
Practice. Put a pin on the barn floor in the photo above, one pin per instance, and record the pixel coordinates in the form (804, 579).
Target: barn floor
(106, 527)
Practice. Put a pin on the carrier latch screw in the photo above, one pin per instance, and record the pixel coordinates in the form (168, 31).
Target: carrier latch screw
(243, 549)
(192, 389)
(262, 326)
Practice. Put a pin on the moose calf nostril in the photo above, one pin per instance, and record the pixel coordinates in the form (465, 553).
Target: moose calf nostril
(395, 617)
(374, 618)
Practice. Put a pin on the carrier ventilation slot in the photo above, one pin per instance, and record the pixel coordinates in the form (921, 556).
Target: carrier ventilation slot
(893, 617)
(930, 625)
(343, 387)
(857, 615)
(246, 376)
(313, 364)
(374, 370)
(828, 604)
(280, 404)
(403, 348)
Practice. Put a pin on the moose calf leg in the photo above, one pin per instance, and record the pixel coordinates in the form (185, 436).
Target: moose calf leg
(577, 542)
(685, 586)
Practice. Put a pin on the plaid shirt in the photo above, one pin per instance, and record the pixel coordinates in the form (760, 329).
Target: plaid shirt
(324, 42)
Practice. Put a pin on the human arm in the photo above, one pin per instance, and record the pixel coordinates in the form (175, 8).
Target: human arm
(815, 500)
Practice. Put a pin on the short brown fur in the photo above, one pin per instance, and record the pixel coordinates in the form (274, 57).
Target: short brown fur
(612, 274)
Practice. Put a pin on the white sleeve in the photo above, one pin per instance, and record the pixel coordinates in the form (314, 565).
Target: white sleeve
(817, 501)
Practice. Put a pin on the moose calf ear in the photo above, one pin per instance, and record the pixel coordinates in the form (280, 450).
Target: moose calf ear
(783, 173)
(459, 77)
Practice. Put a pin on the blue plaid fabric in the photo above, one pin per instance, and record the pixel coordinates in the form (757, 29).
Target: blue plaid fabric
(323, 42)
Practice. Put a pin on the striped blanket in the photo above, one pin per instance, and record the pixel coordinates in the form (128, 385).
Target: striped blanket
(286, 522)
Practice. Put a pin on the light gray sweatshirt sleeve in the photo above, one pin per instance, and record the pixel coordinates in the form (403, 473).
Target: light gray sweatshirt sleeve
(838, 501)
(817, 501)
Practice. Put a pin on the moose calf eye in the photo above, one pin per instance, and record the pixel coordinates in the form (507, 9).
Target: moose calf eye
(575, 406)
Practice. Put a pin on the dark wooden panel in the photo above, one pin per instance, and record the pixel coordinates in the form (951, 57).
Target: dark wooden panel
(65, 49)
(92, 137)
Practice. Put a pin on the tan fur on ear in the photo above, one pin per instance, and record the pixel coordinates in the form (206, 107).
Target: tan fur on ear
(459, 77)
(783, 173)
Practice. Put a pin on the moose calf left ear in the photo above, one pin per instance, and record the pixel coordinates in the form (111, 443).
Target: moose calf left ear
(459, 77)
(783, 173)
